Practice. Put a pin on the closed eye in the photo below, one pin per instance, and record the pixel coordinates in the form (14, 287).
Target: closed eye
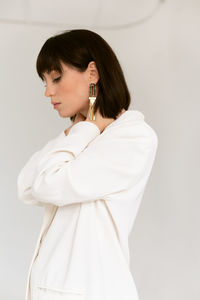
(55, 80)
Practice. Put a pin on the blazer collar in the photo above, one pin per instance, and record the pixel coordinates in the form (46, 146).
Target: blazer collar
(127, 115)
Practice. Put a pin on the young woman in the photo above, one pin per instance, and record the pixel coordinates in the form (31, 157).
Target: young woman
(90, 178)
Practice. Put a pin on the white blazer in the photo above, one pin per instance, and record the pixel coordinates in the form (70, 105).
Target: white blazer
(91, 185)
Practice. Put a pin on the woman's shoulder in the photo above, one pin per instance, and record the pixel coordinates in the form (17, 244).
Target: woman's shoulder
(130, 124)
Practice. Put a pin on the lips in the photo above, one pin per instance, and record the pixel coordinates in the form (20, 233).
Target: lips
(56, 105)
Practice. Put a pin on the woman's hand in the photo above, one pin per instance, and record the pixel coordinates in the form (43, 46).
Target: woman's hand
(79, 117)
(102, 122)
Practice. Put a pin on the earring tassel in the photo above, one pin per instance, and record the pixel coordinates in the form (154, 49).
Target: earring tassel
(92, 98)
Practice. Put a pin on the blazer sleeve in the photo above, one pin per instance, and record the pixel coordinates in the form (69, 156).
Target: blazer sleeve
(67, 175)
(72, 144)
(25, 179)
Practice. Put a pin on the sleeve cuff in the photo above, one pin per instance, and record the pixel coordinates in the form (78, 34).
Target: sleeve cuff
(78, 138)
(89, 128)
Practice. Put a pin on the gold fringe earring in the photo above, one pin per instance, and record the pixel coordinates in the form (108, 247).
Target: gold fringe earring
(92, 97)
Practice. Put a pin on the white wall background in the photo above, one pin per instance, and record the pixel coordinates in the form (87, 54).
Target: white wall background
(161, 62)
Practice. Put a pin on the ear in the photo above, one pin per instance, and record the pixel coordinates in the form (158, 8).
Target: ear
(93, 72)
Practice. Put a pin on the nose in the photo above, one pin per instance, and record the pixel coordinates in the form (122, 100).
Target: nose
(49, 91)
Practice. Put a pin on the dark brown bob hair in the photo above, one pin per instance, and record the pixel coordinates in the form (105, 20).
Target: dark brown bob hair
(76, 48)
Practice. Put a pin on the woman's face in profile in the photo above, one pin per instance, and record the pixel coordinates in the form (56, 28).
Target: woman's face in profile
(70, 89)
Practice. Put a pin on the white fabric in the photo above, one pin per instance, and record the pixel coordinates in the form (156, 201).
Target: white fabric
(91, 185)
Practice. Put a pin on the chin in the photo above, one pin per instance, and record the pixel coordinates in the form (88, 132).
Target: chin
(63, 115)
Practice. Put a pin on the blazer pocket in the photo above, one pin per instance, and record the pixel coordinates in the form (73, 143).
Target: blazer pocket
(47, 293)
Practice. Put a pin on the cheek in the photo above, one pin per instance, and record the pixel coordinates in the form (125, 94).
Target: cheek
(65, 88)
(83, 89)
(75, 89)
(80, 90)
